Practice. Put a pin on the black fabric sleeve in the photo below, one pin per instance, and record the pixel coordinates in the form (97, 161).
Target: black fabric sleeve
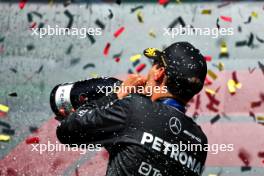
(95, 123)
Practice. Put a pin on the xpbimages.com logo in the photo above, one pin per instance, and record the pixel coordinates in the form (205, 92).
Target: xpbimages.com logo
(60, 31)
(57, 147)
(195, 31)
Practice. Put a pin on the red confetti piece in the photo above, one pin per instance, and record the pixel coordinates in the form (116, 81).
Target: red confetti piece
(117, 59)
(119, 31)
(244, 156)
(2, 49)
(106, 49)
(32, 140)
(140, 67)
(198, 102)
(208, 58)
(234, 77)
(207, 81)
(226, 18)
(261, 154)
(33, 25)
(22, 4)
(212, 102)
(163, 2)
(2, 114)
(256, 104)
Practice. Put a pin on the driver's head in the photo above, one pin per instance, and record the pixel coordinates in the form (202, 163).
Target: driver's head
(181, 67)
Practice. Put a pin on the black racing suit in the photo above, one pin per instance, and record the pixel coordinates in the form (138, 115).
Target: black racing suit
(141, 136)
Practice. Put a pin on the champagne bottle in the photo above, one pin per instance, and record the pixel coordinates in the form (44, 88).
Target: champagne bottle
(68, 97)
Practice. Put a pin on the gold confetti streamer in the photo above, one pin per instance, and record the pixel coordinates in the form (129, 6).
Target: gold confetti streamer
(254, 14)
(135, 57)
(4, 108)
(210, 91)
(212, 74)
(140, 16)
(220, 66)
(206, 12)
(4, 138)
(260, 119)
(152, 34)
(232, 86)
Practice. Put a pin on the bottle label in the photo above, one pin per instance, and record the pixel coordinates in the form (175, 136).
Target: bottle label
(63, 97)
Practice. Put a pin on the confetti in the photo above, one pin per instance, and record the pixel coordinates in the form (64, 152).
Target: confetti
(4, 108)
(69, 50)
(261, 154)
(66, 3)
(8, 131)
(241, 43)
(140, 67)
(259, 39)
(22, 4)
(32, 140)
(119, 31)
(208, 58)
(30, 47)
(249, 20)
(111, 15)
(4, 124)
(215, 119)
(70, 16)
(245, 168)
(251, 114)
(74, 61)
(244, 156)
(13, 94)
(2, 39)
(39, 70)
(220, 66)
(91, 38)
(100, 24)
(163, 2)
(4, 138)
(207, 81)
(13, 70)
(206, 12)
(251, 70)
(118, 54)
(223, 50)
(135, 57)
(89, 65)
(117, 59)
(152, 34)
(212, 102)
(217, 23)
(255, 104)
(198, 102)
(212, 74)
(140, 17)
(178, 20)
(130, 71)
(232, 86)
(106, 49)
(136, 63)
(226, 18)
(223, 4)
(261, 66)
(33, 129)
(210, 91)
(260, 119)
(254, 14)
(251, 39)
(132, 10)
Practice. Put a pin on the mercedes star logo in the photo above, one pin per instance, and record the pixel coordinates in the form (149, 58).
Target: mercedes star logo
(175, 125)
